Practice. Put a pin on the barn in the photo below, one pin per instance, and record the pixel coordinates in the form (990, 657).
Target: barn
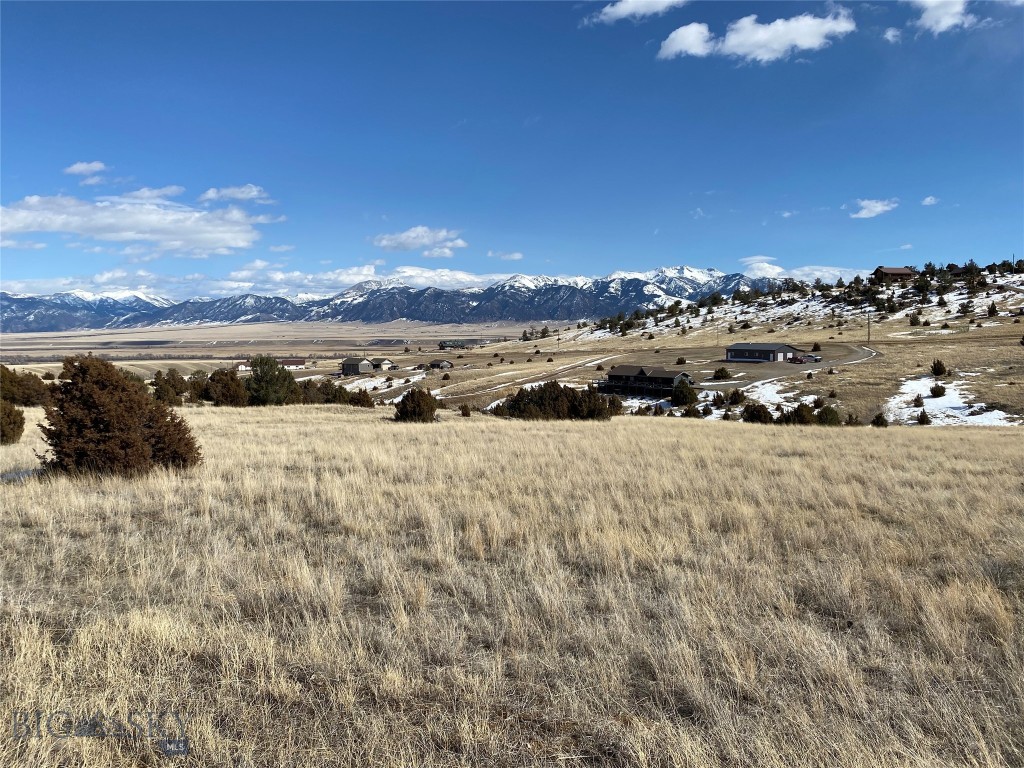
(760, 353)
(353, 366)
(383, 364)
(441, 364)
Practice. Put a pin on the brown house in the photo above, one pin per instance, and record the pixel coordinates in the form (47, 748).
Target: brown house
(893, 274)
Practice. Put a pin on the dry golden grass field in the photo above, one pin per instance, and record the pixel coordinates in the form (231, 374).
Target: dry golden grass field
(334, 589)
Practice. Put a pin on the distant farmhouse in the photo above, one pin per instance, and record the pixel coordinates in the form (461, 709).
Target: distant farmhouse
(441, 364)
(353, 366)
(760, 353)
(288, 363)
(890, 274)
(382, 364)
(643, 380)
(452, 344)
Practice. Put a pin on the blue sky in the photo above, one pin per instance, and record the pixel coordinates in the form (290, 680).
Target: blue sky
(220, 148)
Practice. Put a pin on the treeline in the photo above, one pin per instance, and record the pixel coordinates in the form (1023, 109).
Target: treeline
(551, 400)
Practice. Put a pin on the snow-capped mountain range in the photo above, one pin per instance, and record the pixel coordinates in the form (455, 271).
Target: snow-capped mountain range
(520, 298)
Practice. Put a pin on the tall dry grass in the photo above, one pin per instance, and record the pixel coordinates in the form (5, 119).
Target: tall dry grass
(331, 588)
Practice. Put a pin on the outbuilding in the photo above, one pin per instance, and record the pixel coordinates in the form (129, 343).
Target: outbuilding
(383, 364)
(760, 353)
(441, 364)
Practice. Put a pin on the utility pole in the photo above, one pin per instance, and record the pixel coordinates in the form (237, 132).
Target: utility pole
(869, 329)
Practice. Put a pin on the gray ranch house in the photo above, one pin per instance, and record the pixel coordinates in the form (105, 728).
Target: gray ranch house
(760, 353)
(353, 366)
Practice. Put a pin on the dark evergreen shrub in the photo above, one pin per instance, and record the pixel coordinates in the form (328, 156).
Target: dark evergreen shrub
(853, 420)
(938, 368)
(918, 401)
(746, 325)
(819, 402)
(691, 411)
(417, 405)
(832, 395)
(225, 389)
(810, 375)
(102, 421)
(801, 414)
(718, 400)
(684, 394)
(937, 390)
(24, 389)
(756, 413)
(706, 411)
(270, 384)
(816, 347)
(446, 377)
(48, 376)
(599, 367)
(551, 359)
(736, 397)
(923, 418)
(551, 400)
(464, 410)
(829, 417)
(12, 423)
(360, 398)
(163, 391)
(197, 384)
(879, 420)
(680, 361)
(721, 374)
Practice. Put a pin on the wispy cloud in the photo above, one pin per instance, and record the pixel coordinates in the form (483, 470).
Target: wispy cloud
(764, 43)
(85, 169)
(92, 181)
(281, 248)
(632, 9)
(245, 193)
(505, 256)
(930, 200)
(871, 208)
(892, 35)
(27, 245)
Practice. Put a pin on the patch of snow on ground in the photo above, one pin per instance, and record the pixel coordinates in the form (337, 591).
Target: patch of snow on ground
(950, 409)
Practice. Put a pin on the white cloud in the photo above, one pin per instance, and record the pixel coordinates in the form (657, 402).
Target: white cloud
(930, 200)
(788, 214)
(764, 43)
(938, 16)
(691, 40)
(762, 266)
(91, 181)
(510, 256)
(892, 35)
(632, 9)
(85, 169)
(246, 192)
(439, 252)
(438, 243)
(906, 247)
(698, 213)
(413, 238)
(871, 208)
(139, 217)
(22, 245)
(106, 277)
(281, 248)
